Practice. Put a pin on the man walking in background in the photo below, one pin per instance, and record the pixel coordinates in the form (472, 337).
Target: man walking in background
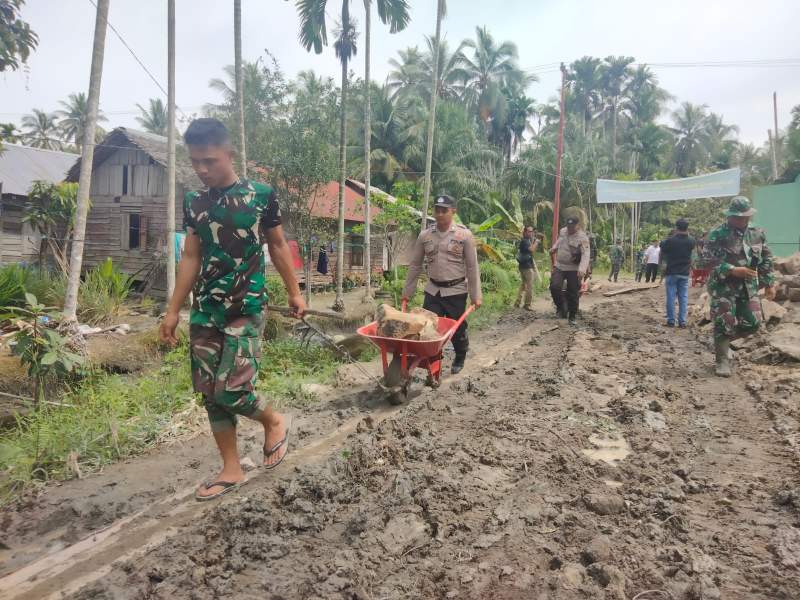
(639, 263)
(527, 267)
(741, 264)
(571, 260)
(617, 256)
(651, 257)
(676, 253)
(227, 226)
(452, 259)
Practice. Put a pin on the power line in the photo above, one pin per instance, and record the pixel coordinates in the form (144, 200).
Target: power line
(138, 60)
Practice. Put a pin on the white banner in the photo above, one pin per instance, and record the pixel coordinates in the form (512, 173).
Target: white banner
(721, 183)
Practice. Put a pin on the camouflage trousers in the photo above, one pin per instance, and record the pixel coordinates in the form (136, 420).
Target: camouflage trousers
(225, 368)
(735, 314)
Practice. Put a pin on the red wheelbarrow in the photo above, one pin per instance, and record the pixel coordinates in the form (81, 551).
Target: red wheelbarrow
(408, 355)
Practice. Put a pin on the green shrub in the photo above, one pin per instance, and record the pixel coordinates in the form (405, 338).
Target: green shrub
(45, 285)
(494, 278)
(101, 294)
(12, 285)
(276, 291)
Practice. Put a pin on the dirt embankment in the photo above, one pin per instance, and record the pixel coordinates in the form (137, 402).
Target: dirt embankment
(594, 462)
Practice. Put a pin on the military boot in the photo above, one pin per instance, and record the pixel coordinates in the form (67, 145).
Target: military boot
(458, 363)
(722, 348)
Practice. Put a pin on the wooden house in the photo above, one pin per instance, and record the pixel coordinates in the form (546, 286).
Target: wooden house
(127, 220)
(128, 216)
(20, 167)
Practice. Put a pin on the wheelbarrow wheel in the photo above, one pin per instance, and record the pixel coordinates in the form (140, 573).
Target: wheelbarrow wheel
(394, 375)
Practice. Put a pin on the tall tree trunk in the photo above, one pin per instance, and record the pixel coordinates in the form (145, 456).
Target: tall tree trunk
(170, 148)
(367, 153)
(338, 304)
(432, 115)
(87, 157)
(237, 66)
(614, 135)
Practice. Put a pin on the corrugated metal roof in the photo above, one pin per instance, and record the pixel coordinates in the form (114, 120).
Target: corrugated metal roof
(151, 144)
(20, 166)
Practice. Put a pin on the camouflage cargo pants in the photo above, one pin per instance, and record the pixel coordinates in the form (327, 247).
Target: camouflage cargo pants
(225, 368)
(735, 314)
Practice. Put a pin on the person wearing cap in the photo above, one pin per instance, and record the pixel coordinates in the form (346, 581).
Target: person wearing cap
(527, 267)
(452, 265)
(741, 264)
(676, 253)
(571, 254)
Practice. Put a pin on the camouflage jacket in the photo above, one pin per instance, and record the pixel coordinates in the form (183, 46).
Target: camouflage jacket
(231, 224)
(727, 248)
(616, 254)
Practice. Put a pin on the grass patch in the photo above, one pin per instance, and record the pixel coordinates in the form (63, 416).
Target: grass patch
(111, 417)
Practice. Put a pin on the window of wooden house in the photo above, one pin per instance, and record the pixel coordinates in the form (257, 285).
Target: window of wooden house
(124, 180)
(356, 251)
(134, 231)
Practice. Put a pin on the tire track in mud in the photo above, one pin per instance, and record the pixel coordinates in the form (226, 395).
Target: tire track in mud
(483, 489)
(90, 558)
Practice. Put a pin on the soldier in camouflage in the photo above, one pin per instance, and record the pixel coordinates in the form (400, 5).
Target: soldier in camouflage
(227, 226)
(741, 264)
(617, 256)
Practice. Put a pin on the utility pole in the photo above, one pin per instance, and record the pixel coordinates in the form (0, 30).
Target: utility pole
(777, 136)
(773, 143)
(170, 148)
(237, 67)
(557, 200)
(87, 158)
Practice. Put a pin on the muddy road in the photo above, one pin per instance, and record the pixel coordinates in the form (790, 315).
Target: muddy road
(602, 461)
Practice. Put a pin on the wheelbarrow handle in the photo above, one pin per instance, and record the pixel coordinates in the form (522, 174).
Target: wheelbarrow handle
(404, 305)
(463, 317)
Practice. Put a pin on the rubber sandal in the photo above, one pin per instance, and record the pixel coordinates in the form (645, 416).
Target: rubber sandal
(278, 446)
(227, 486)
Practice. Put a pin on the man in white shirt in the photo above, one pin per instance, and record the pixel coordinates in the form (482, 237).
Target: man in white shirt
(651, 257)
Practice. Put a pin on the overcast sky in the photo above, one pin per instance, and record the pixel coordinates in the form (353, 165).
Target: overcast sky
(546, 31)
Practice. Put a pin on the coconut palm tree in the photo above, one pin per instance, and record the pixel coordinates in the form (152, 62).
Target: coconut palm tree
(490, 66)
(41, 130)
(395, 14)
(9, 133)
(75, 117)
(238, 78)
(313, 34)
(407, 77)
(721, 141)
(441, 8)
(451, 72)
(87, 158)
(584, 79)
(154, 117)
(615, 73)
(691, 138)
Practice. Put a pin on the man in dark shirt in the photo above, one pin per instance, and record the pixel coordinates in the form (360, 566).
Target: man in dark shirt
(527, 245)
(676, 253)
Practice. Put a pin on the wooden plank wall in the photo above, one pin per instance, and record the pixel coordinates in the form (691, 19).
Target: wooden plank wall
(147, 188)
(18, 241)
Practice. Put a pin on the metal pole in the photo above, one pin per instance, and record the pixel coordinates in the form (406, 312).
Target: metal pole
(772, 144)
(777, 137)
(170, 148)
(557, 201)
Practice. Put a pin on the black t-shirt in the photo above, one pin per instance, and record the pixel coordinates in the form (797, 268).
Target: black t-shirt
(525, 257)
(676, 252)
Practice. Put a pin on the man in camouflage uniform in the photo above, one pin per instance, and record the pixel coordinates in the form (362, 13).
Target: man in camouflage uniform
(741, 264)
(617, 256)
(226, 227)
